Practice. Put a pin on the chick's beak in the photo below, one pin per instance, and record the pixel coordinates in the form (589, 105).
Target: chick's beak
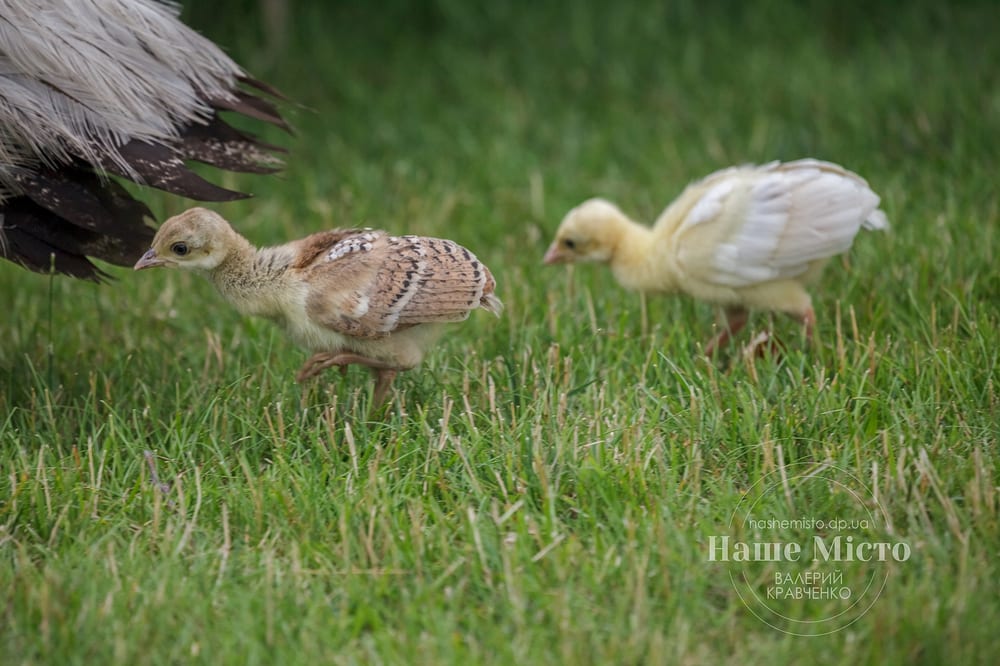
(555, 255)
(148, 260)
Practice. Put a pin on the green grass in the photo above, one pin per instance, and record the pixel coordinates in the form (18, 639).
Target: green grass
(544, 488)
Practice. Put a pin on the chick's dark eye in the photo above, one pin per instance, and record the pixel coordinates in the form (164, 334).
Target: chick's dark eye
(570, 243)
(180, 249)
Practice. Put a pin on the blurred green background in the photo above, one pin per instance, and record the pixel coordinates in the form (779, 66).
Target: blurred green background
(657, 92)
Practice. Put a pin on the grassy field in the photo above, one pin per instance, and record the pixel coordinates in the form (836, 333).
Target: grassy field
(545, 488)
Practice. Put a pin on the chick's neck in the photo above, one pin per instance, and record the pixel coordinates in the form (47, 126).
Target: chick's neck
(640, 261)
(250, 278)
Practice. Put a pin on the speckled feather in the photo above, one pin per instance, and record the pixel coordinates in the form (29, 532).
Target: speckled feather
(370, 284)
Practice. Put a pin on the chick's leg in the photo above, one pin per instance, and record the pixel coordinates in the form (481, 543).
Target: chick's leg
(731, 321)
(317, 363)
(808, 319)
(384, 372)
(383, 382)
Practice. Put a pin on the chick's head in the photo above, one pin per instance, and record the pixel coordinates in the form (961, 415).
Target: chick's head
(197, 239)
(589, 232)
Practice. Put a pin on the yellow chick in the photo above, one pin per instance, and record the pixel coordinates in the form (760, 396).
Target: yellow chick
(354, 296)
(744, 237)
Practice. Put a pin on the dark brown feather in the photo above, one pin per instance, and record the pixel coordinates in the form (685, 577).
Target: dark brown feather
(41, 242)
(158, 166)
(263, 87)
(72, 214)
(226, 147)
(253, 107)
(84, 199)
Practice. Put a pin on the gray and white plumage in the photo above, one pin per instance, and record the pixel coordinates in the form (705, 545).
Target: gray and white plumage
(91, 89)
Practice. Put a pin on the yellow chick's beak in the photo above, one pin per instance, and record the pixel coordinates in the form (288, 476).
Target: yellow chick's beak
(555, 255)
(148, 260)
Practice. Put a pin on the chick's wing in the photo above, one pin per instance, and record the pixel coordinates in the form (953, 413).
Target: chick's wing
(370, 284)
(744, 226)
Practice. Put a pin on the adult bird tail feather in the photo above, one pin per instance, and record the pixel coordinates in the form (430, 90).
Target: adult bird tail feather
(99, 88)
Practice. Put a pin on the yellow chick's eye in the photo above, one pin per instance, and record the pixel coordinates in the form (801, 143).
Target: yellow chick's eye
(569, 243)
(180, 249)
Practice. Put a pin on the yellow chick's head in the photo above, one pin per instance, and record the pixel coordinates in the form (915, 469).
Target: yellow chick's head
(589, 232)
(197, 239)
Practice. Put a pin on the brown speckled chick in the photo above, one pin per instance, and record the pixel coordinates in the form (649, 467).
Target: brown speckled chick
(348, 295)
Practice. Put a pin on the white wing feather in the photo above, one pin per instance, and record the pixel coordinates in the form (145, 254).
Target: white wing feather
(749, 225)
